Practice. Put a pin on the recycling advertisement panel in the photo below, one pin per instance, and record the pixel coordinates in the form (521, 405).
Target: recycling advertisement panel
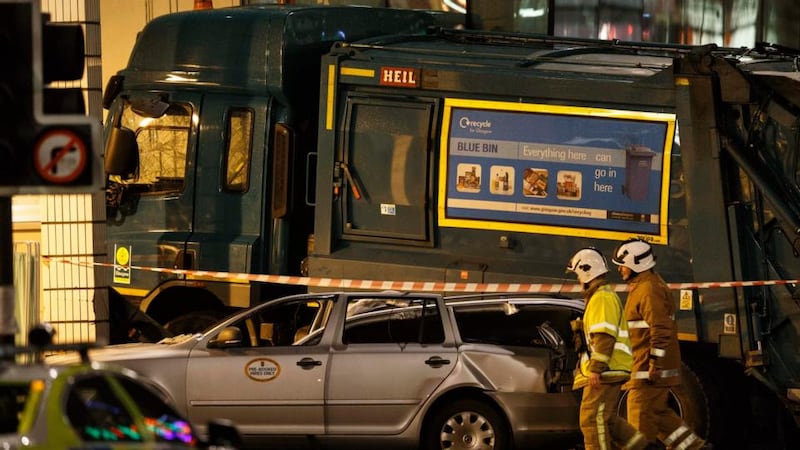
(559, 170)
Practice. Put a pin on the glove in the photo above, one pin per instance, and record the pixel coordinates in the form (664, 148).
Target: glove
(594, 379)
(578, 338)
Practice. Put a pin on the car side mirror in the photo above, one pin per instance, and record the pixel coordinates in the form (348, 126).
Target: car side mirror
(228, 337)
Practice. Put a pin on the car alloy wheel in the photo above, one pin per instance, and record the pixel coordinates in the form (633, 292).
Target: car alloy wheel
(467, 425)
(468, 429)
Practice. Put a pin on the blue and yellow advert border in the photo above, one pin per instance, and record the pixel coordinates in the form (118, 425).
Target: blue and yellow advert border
(558, 170)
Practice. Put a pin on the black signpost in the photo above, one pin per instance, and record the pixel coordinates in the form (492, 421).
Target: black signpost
(8, 323)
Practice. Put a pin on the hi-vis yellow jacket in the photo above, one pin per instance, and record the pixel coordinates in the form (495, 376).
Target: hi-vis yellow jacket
(606, 331)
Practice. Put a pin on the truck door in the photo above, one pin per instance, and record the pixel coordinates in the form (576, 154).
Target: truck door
(229, 188)
(151, 210)
(391, 357)
(195, 199)
(386, 167)
(382, 159)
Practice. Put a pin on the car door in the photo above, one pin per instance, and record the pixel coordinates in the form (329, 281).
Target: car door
(538, 333)
(390, 355)
(257, 377)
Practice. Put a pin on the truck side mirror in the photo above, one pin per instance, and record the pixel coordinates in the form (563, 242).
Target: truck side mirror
(153, 107)
(122, 152)
(113, 88)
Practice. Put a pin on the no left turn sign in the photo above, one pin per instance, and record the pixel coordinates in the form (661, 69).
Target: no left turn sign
(60, 156)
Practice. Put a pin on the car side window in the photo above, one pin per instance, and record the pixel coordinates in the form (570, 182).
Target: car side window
(386, 320)
(97, 414)
(283, 324)
(160, 418)
(497, 324)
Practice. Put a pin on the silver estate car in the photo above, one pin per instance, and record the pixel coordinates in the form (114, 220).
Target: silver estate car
(374, 370)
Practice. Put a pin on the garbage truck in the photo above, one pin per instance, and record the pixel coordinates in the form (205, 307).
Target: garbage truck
(481, 160)
(490, 158)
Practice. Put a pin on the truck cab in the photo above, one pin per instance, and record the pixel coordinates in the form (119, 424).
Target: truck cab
(207, 139)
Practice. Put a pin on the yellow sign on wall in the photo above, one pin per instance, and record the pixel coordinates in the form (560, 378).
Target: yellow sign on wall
(122, 264)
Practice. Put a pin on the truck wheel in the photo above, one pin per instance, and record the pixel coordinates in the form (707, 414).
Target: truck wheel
(193, 322)
(466, 424)
(693, 401)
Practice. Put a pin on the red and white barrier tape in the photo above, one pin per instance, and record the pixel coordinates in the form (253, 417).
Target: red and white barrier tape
(419, 286)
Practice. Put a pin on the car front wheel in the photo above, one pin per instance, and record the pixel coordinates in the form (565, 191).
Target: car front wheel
(466, 424)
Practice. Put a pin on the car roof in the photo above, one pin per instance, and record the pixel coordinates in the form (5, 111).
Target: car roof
(515, 299)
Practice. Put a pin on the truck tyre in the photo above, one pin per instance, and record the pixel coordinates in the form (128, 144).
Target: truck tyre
(193, 322)
(695, 399)
(466, 424)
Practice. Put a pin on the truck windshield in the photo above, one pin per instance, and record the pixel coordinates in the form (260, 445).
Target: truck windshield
(163, 143)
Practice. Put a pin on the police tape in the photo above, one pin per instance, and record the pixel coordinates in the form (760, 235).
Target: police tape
(415, 286)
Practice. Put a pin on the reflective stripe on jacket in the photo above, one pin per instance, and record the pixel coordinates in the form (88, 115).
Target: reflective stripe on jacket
(650, 313)
(606, 332)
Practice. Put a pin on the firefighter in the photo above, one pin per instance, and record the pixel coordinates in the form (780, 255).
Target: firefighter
(650, 314)
(605, 361)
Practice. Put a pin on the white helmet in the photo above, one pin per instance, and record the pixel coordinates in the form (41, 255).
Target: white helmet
(587, 264)
(634, 254)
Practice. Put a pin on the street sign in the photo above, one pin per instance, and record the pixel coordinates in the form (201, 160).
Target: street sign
(60, 156)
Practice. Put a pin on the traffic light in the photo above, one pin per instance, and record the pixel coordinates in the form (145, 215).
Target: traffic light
(47, 143)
